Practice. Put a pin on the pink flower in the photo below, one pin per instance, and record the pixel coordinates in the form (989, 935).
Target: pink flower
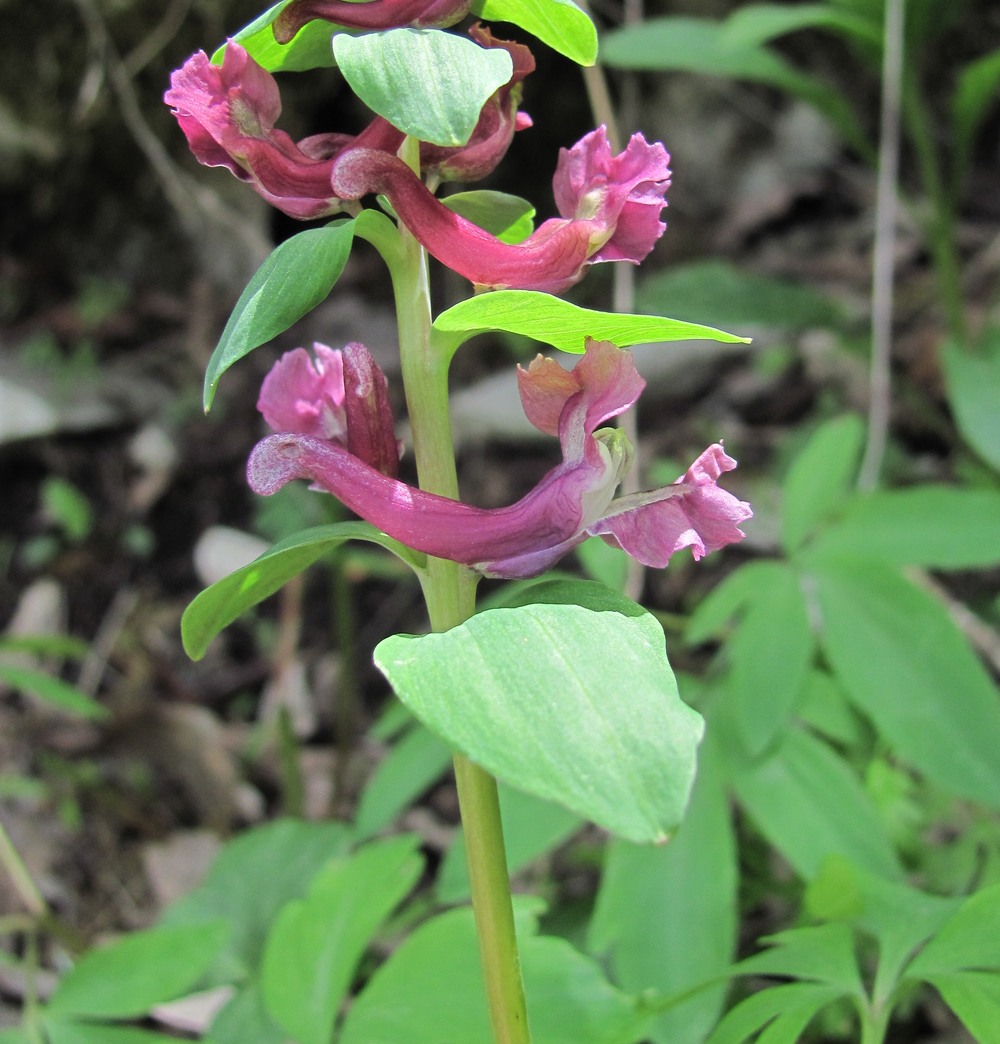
(573, 501)
(228, 113)
(341, 397)
(610, 207)
(374, 14)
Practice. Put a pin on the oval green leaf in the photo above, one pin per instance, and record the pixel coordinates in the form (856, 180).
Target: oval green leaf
(570, 704)
(219, 605)
(561, 24)
(295, 278)
(563, 325)
(428, 83)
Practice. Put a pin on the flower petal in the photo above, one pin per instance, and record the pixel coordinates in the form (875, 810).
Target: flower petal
(304, 395)
(370, 426)
(374, 14)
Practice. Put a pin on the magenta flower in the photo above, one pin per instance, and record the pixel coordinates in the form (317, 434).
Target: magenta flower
(374, 14)
(341, 397)
(228, 113)
(573, 501)
(610, 207)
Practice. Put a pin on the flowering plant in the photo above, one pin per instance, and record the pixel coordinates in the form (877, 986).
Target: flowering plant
(446, 106)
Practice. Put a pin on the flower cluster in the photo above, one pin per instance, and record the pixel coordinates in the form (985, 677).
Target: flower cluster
(575, 500)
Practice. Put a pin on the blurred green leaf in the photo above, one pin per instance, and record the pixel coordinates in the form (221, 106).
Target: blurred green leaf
(561, 24)
(253, 876)
(903, 662)
(788, 1009)
(227, 599)
(296, 276)
(52, 690)
(61, 1031)
(139, 970)
(808, 803)
(975, 94)
(734, 297)
(968, 941)
(584, 713)
(820, 478)
(972, 376)
(315, 943)
(531, 827)
(431, 990)
(975, 998)
(938, 527)
(67, 507)
(823, 953)
(700, 45)
(666, 916)
(428, 83)
(760, 23)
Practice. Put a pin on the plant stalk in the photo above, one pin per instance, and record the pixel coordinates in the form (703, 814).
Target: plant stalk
(449, 591)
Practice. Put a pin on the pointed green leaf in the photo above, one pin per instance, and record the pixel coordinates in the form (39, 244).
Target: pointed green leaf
(975, 94)
(968, 941)
(61, 1031)
(820, 478)
(563, 325)
(824, 953)
(938, 527)
(316, 942)
(973, 376)
(561, 24)
(431, 990)
(296, 277)
(759, 23)
(138, 971)
(535, 696)
(906, 666)
(428, 83)
(219, 605)
(798, 1001)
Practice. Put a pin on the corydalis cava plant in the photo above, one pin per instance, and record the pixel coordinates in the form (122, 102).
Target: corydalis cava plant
(575, 500)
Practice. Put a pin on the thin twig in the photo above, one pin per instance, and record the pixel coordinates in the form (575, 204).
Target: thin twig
(883, 267)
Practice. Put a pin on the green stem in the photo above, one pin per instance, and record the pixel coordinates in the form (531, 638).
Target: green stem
(449, 590)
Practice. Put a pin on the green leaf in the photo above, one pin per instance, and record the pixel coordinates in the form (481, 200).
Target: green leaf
(431, 990)
(252, 878)
(563, 325)
(312, 47)
(507, 217)
(975, 998)
(666, 915)
(972, 377)
(796, 1002)
(820, 478)
(975, 94)
(245, 1018)
(559, 23)
(824, 953)
(428, 83)
(52, 690)
(938, 527)
(809, 804)
(295, 278)
(412, 764)
(535, 695)
(700, 45)
(905, 665)
(531, 827)
(61, 645)
(139, 970)
(724, 601)
(219, 605)
(769, 653)
(734, 297)
(316, 942)
(967, 941)
(755, 24)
